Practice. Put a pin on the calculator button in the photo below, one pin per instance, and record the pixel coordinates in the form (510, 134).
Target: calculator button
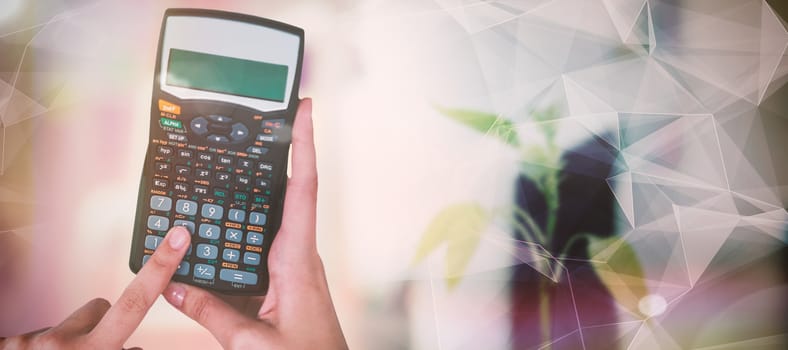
(183, 268)
(185, 153)
(266, 138)
(251, 258)
(199, 126)
(205, 157)
(273, 123)
(257, 150)
(236, 215)
(257, 218)
(187, 224)
(200, 189)
(181, 187)
(220, 118)
(212, 211)
(239, 132)
(262, 183)
(265, 166)
(218, 138)
(233, 235)
(203, 173)
(162, 167)
(164, 150)
(182, 170)
(145, 259)
(160, 183)
(254, 238)
(237, 276)
(244, 163)
(219, 192)
(204, 271)
(186, 207)
(241, 196)
(170, 123)
(158, 223)
(207, 251)
(209, 231)
(260, 199)
(242, 179)
(225, 160)
(152, 242)
(222, 176)
(176, 137)
(160, 203)
(231, 255)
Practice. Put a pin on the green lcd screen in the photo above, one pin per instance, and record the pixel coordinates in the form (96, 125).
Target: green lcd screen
(227, 75)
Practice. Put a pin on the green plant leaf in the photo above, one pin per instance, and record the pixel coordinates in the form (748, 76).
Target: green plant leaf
(459, 227)
(617, 265)
(545, 118)
(486, 123)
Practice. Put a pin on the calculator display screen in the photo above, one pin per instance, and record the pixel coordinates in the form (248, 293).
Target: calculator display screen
(228, 75)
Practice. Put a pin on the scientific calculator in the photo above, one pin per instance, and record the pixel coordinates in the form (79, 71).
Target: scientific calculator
(225, 91)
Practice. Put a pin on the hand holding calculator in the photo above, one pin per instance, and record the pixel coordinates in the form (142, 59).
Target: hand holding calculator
(225, 93)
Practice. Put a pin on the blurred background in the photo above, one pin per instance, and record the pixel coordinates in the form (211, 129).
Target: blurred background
(503, 174)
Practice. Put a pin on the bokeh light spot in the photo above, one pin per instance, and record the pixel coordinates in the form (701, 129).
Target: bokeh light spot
(652, 305)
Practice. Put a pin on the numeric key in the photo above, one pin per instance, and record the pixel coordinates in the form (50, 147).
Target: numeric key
(152, 242)
(187, 224)
(212, 211)
(158, 223)
(186, 207)
(160, 203)
(207, 251)
(209, 231)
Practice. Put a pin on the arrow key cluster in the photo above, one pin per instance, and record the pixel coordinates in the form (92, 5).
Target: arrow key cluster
(219, 128)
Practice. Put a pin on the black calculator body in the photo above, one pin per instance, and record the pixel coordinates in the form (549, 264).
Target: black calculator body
(225, 92)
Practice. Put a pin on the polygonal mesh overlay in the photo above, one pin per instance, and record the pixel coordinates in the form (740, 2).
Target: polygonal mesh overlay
(680, 99)
(32, 54)
(671, 121)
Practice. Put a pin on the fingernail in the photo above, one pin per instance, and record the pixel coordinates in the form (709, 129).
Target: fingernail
(178, 237)
(174, 293)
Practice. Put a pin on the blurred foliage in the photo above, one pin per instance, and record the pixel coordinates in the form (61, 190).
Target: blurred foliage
(489, 124)
(460, 226)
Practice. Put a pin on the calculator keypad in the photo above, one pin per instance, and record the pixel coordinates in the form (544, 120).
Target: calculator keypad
(220, 196)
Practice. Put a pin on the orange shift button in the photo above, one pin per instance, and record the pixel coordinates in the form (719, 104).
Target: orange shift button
(169, 107)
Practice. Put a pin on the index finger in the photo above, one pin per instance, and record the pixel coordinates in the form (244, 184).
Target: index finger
(122, 319)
